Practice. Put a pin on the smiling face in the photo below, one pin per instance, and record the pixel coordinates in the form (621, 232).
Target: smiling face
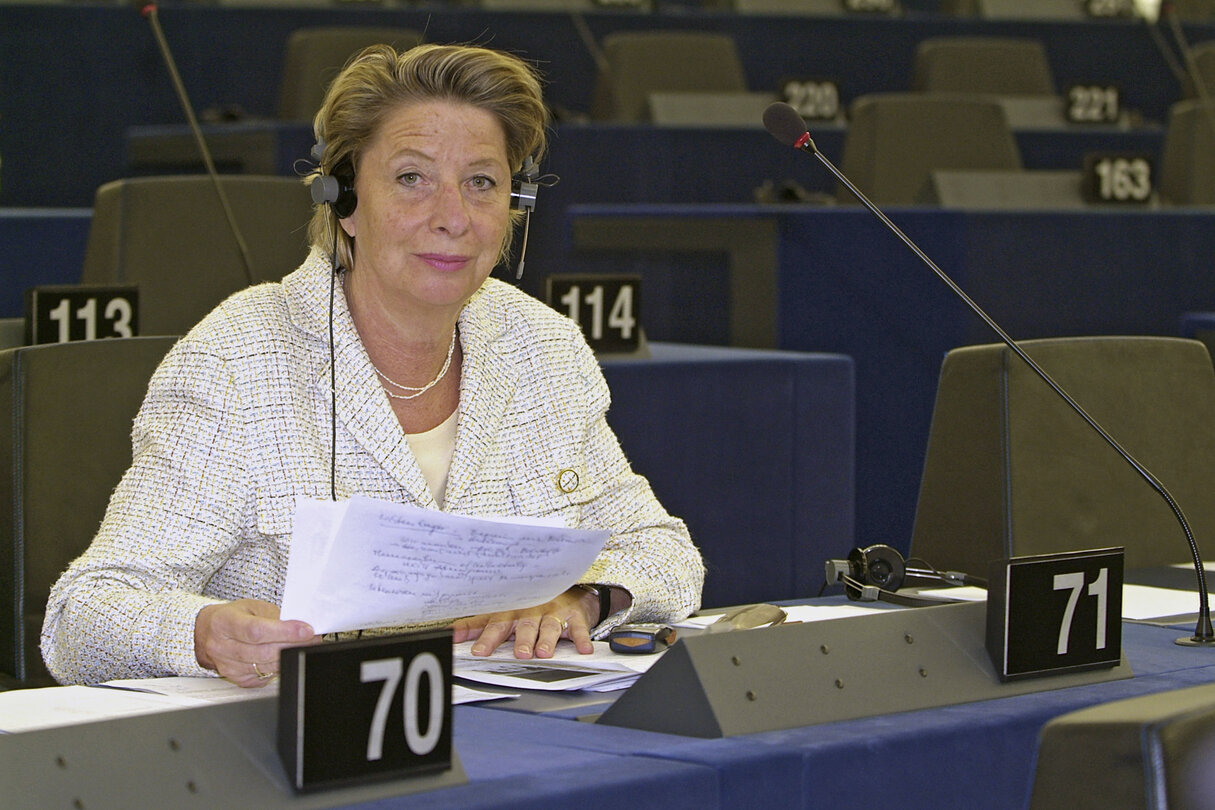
(433, 190)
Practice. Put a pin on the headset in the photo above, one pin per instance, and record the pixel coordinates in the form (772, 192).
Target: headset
(876, 573)
(337, 190)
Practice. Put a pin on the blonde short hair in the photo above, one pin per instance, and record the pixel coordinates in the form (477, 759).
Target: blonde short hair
(379, 78)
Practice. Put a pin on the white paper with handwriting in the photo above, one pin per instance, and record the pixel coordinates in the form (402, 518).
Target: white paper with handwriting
(366, 563)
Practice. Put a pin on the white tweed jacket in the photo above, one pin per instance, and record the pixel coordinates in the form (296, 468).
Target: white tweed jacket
(237, 424)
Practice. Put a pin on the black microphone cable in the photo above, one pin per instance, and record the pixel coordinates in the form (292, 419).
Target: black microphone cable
(150, 11)
(787, 126)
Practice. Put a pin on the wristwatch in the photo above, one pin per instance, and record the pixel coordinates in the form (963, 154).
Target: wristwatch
(605, 599)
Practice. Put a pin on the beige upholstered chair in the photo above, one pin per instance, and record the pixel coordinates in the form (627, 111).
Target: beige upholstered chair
(896, 140)
(639, 63)
(314, 56)
(1003, 66)
(1187, 160)
(170, 237)
(66, 441)
(1012, 470)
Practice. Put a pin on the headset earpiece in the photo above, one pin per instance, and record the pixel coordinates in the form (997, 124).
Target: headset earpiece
(337, 188)
(878, 565)
(523, 187)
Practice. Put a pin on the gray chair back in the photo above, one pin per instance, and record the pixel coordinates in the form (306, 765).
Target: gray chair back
(895, 140)
(1012, 470)
(314, 56)
(1016, 9)
(64, 444)
(170, 237)
(1194, 10)
(639, 63)
(1004, 66)
(1187, 159)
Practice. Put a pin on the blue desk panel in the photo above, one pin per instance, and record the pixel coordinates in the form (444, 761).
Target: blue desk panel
(40, 246)
(743, 443)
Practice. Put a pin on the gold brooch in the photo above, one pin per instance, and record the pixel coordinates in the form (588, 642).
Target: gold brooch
(567, 481)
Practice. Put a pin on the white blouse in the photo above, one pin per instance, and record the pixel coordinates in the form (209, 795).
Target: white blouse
(432, 449)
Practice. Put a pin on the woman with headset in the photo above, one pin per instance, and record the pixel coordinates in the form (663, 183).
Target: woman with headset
(390, 365)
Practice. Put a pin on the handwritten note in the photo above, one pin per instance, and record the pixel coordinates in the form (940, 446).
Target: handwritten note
(366, 563)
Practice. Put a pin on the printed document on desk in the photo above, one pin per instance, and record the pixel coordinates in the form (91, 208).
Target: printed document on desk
(568, 669)
(367, 563)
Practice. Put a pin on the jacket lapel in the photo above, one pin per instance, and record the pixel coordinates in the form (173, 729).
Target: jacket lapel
(364, 411)
(488, 381)
(361, 409)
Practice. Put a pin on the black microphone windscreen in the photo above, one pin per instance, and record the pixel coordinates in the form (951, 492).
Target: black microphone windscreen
(784, 123)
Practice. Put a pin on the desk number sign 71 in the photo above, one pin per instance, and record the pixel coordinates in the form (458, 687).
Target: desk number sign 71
(1055, 612)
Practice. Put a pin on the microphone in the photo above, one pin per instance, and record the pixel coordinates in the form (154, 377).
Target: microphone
(149, 10)
(788, 127)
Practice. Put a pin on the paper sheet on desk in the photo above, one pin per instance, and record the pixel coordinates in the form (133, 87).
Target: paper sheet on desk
(568, 670)
(1138, 601)
(52, 706)
(366, 563)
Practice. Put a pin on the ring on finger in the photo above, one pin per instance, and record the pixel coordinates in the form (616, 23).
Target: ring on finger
(261, 676)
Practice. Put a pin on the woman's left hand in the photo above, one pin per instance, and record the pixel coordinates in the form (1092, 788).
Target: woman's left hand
(536, 629)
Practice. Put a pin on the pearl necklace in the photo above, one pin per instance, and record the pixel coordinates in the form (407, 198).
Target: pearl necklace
(417, 392)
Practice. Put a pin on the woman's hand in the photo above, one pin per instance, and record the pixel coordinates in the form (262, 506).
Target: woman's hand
(241, 640)
(537, 629)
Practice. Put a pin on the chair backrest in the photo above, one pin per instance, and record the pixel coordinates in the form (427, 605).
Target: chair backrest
(550, 5)
(1016, 9)
(1199, 325)
(1194, 10)
(1012, 470)
(169, 235)
(1187, 159)
(314, 56)
(1149, 751)
(1203, 85)
(808, 8)
(895, 140)
(639, 63)
(1005, 66)
(64, 444)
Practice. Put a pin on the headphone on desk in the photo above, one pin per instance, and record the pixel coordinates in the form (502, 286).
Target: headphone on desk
(876, 572)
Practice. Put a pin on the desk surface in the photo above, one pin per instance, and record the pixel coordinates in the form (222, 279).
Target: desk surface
(972, 755)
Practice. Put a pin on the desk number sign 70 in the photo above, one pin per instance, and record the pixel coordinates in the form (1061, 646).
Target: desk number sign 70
(352, 712)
